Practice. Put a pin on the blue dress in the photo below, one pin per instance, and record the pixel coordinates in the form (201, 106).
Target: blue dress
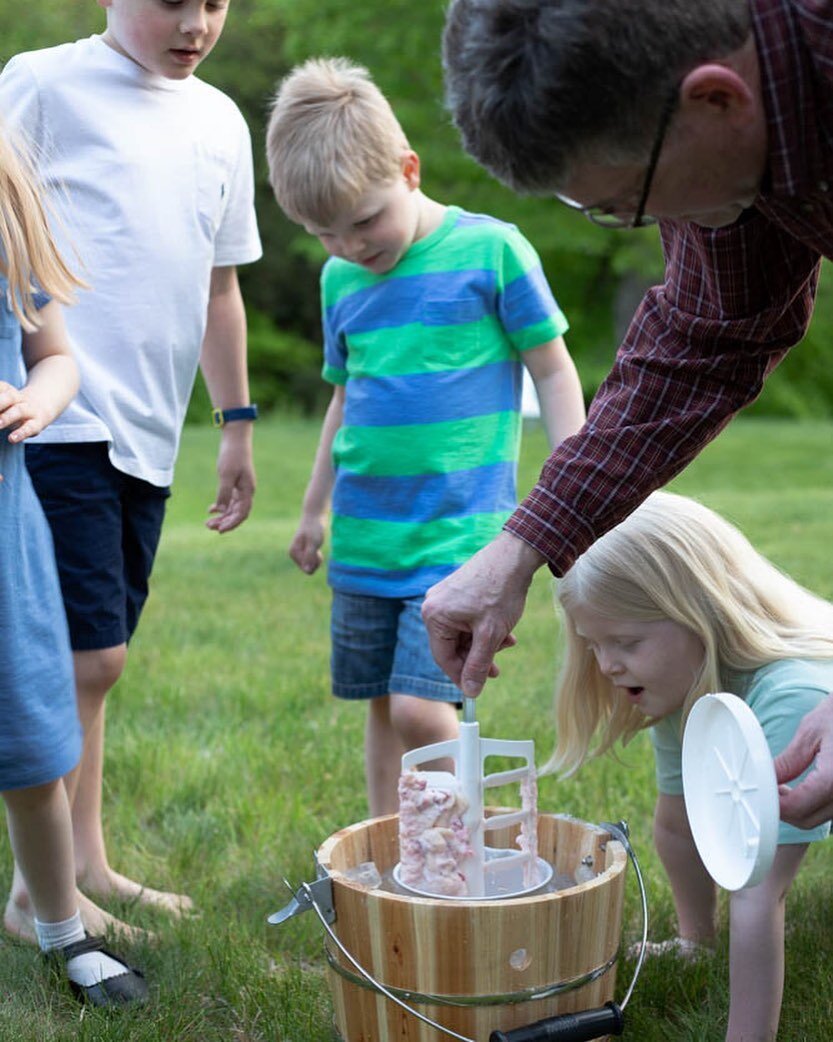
(40, 737)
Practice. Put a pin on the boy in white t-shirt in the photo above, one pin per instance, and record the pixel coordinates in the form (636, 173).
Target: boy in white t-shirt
(150, 170)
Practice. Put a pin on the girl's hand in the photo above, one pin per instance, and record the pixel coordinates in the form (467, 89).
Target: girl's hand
(18, 414)
(52, 379)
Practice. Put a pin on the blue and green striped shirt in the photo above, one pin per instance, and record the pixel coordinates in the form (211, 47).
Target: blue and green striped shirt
(429, 354)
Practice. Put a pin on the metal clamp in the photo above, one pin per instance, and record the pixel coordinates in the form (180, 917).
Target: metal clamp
(317, 895)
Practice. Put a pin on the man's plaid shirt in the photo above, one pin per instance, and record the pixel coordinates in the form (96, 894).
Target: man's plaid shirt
(734, 301)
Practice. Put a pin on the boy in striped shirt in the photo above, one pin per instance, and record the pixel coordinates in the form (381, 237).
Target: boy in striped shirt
(429, 313)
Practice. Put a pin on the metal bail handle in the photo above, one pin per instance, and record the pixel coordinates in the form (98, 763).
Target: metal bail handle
(569, 1027)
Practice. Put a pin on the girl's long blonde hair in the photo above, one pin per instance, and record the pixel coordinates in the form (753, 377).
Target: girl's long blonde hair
(673, 558)
(29, 257)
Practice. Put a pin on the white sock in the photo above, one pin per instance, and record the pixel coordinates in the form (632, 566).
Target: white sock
(84, 970)
(59, 935)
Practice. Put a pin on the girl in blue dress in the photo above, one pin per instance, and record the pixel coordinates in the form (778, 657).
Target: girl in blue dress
(40, 737)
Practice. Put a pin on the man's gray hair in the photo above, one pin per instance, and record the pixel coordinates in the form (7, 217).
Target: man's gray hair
(535, 86)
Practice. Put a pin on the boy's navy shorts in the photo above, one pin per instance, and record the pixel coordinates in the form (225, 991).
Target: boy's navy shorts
(105, 527)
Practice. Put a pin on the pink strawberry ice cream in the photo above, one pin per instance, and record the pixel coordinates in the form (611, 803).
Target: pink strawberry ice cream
(528, 837)
(433, 841)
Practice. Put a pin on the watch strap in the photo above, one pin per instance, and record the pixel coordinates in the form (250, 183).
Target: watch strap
(220, 417)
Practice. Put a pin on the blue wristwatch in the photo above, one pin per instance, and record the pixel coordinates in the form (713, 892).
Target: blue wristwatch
(220, 417)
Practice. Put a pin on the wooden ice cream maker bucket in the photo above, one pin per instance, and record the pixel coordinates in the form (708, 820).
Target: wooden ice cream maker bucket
(538, 963)
(471, 967)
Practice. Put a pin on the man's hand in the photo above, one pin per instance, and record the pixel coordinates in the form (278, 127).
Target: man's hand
(810, 802)
(470, 615)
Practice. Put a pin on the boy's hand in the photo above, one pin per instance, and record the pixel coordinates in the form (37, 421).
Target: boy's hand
(236, 488)
(305, 548)
(19, 412)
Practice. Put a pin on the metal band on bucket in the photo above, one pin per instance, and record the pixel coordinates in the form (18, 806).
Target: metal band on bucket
(511, 998)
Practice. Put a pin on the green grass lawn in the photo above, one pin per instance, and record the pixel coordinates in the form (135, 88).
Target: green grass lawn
(228, 762)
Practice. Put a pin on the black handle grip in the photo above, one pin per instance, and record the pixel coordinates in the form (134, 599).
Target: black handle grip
(569, 1027)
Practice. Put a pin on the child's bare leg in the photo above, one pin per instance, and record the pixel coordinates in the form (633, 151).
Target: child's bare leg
(692, 887)
(383, 758)
(756, 951)
(396, 724)
(19, 916)
(40, 829)
(422, 721)
(95, 674)
(40, 832)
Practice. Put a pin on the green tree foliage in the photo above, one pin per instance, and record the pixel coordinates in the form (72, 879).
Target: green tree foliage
(598, 276)
(43, 24)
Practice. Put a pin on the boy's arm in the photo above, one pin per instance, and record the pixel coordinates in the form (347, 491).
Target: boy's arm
(558, 388)
(756, 949)
(52, 381)
(692, 886)
(305, 549)
(223, 364)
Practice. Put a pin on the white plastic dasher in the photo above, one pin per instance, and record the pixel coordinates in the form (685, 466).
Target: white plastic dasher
(488, 872)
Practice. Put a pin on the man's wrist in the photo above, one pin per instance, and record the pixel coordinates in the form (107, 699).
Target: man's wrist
(527, 559)
(220, 417)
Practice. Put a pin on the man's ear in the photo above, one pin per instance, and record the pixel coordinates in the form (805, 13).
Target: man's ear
(410, 168)
(715, 89)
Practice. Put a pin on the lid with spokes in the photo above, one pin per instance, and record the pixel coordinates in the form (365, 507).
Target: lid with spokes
(731, 794)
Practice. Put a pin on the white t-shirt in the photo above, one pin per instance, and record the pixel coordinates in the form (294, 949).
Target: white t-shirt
(152, 182)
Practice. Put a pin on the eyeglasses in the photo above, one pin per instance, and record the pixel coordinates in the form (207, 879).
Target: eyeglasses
(610, 219)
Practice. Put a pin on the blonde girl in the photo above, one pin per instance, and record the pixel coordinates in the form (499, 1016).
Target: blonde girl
(40, 739)
(671, 604)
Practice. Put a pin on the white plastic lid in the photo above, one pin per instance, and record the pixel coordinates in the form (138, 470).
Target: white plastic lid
(730, 791)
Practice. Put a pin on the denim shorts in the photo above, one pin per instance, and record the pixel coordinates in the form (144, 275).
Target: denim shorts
(380, 647)
(105, 527)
